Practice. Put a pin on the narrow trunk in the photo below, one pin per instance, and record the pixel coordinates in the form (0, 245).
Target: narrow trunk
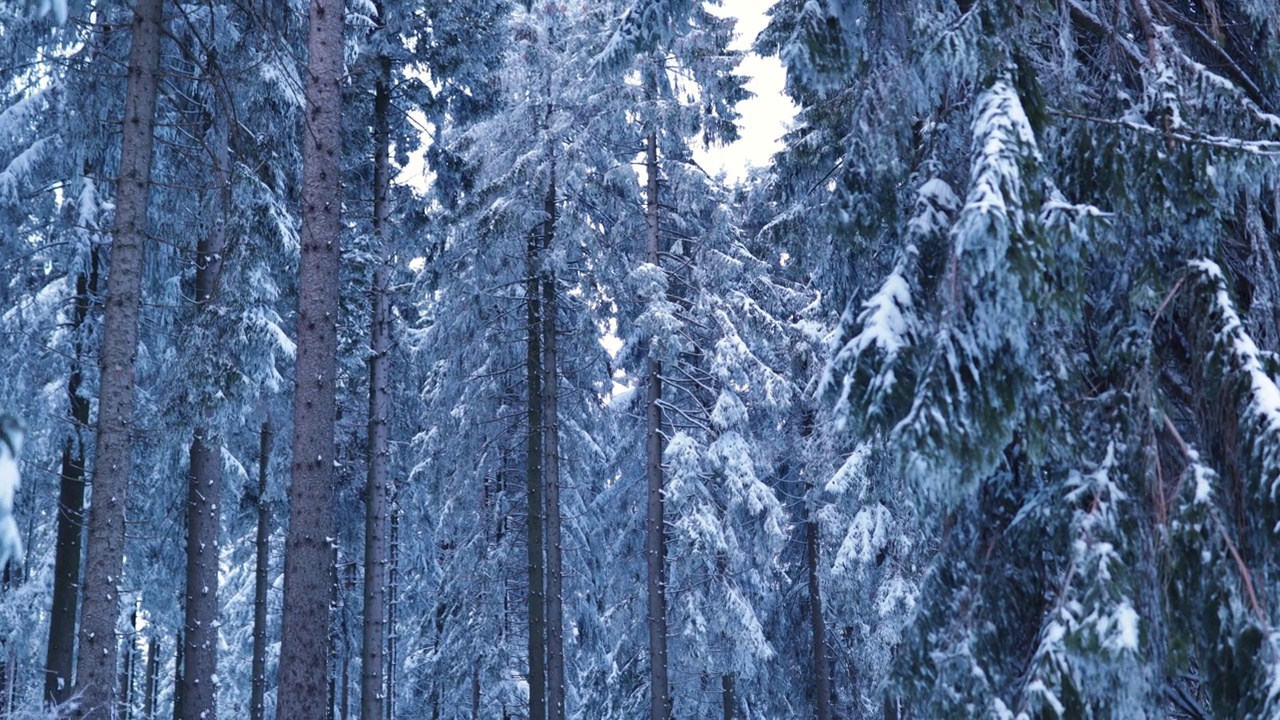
(60, 656)
(305, 621)
(821, 671)
(729, 696)
(204, 487)
(393, 552)
(475, 691)
(344, 703)
(200, 629)
(375, 519)
(113, 454)
(125, 697)
(655, 540)
(153, 679)
(533, 477)
(177, 677)
(551, 474)
(258, 692)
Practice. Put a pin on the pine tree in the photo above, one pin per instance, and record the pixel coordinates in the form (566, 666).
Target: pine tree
(95, 671)
(309, 555)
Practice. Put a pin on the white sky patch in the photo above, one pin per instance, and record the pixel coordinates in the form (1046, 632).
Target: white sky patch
(765, 117)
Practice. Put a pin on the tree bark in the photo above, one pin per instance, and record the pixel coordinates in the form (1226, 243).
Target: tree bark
(152, 680)
(130, 645)
(728, 696)
(261, 578)
(177, 677)
(534, 487)
(60, 656)
(200, 628)
(113, 460)
(204, 487)
(821, 671)
(655, 540)
(551, 472)
(375, 520)
(308, 547)
(393, 551)
(817, 623)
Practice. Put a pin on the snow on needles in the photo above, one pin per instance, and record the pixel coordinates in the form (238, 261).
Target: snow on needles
(1241, 354)
(10, 449)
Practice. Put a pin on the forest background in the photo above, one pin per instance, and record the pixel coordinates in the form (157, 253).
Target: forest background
(964, 405)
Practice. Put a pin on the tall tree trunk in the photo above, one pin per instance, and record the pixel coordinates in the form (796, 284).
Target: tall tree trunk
(200, 627)
(60, 656)
(655, 547)
(153, 679)
(130, 644)
(113, 456)
(375, 518)
(393, 551)
(177, 676)
(817, 622)
(728, 696)
(534, 486)
(308, 553)
(258, 691)
(821, 670)
(475, 690)
(551, 472)
(204, 487)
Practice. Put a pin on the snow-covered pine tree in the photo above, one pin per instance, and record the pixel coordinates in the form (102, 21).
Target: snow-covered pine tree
(1033, 356)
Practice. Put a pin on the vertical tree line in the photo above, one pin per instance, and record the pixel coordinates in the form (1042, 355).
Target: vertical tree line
(964, 406)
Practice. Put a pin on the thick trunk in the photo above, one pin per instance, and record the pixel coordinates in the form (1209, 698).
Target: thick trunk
(551, 474)
(60, 657)
(258, 692)
(534, 486)
(655, 540)
(375, 519)
(113, 456)
(204, 487)
(308, 553)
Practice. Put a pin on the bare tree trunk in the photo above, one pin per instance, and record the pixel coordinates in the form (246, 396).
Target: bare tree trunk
(204, 488)
(655, 540)
(152, 679)
(113, 456)
(60, 658)
(534, 486)
(393, 552)
(130, 644)
(177, 677)
(551, 473)
(821, 670)
(308, 549)
(728, 696)
(375, 519)
(201, 606)
(261, 578)
(475, 691)
(344, 703)
(817, 622)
